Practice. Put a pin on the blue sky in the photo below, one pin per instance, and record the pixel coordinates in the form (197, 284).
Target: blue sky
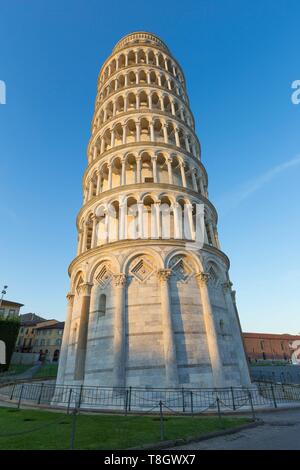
(239, 58)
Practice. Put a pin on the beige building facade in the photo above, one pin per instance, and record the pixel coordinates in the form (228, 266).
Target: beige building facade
(150, 303)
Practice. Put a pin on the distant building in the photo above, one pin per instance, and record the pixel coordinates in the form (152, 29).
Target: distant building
(270, 347)
(47, 340)
(26, 335)
(9, 309)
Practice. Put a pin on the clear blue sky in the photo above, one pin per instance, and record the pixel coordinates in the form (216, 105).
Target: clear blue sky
(239, 58)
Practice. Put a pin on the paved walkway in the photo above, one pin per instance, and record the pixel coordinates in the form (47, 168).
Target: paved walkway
(281, 431)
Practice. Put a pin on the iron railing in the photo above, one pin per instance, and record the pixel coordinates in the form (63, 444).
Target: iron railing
(136, 399)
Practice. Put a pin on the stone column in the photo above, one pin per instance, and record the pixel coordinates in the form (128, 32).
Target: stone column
(187, 144)
(84, 237)
(177, 140)
(154, 169)
(165, 131)
(140, 219)
(119, 359)
(98, 182)
(125, 103)
(177, 220)
(79, 244)
(195, 187)
(109, 176)
(122, 221)
(167, 327)
(173, 108)
(157, 219)
(189, 218)
(90, 195)
(236, 335)
(124, 135)
(170, 174)
(85, 291)
(211, 331)
(123, 173)
(151, 126)
(95, 152)
(64, 346)
(211, 232)
(94, 232)
(183, 175)
(112, 139)
(138, 131)
(138, 169)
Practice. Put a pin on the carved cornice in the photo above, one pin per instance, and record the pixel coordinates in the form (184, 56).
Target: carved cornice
(227, 286)
(70, 298)
(85, 289)
(203, 277)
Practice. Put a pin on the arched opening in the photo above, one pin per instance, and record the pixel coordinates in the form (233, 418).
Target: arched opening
(131, 58)
(120, 104)
(131, 101)
(143, 98)
(147, 175)
(132, 218)
(142, 77)
(145, 134)
(130, 169)
(102, 305)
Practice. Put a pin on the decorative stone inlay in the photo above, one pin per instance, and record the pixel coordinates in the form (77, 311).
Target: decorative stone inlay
(182, 269)
(119, 279)
(104, 276)
(164, 274)
(213, 278)
(142, 269)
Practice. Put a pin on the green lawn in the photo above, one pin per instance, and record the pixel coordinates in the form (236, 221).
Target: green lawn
(16, 369)
(52, 430)
(47, 370)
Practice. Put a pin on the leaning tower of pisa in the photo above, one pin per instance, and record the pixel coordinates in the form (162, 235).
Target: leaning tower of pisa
(149, 304)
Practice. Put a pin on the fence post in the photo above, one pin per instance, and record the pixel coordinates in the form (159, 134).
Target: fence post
(192, 403)
(219, 411)
(80, 396)
(20, 396)
(273, 395)
(12, 392)
(129, 399)
(183, 402)
(40, 395)
(73, 429)
(232, 395)
(251, 404)
(126, 401)
(161, 419)
(69, 401)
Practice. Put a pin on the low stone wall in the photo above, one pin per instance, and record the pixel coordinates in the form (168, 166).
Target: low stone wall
(283, 374)
(24, 358)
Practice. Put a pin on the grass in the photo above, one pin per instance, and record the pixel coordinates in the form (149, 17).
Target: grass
(47, 370)
(17, 369)
(52, 430)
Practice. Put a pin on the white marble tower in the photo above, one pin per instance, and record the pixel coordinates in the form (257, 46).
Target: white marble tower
(147, 306)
